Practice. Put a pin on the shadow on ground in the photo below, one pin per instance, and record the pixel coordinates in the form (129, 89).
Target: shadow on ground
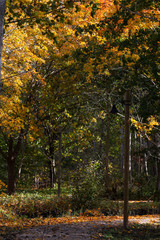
(134, 232)
(110, 228)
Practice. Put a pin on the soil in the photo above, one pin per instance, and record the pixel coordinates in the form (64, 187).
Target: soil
(75, 231)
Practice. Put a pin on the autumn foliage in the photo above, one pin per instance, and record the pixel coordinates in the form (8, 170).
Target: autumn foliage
(65, 63)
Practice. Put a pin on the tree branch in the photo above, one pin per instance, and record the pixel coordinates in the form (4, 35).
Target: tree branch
(139, 14)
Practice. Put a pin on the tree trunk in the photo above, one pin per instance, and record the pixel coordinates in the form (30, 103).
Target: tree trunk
(139, 157)
(52, 175)
(2, 12)
(102, 137)
(158, 180)
(59, 164)
(107, 154)
(52, 163)
(95, 131)
(158, 185)
(11, 176)
(36, 181)
(122, 151)
(24, 142)
(11, 159)
(158, 167)
(130, 155)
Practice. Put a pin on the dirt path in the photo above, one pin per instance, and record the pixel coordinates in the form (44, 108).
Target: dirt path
(76, 231)
(87, 230)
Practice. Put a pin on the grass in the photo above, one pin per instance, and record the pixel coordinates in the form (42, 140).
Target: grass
(135, 232)
(65, 190)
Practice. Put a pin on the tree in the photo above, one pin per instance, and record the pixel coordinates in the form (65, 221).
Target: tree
(2, 12)
(75, 57)
(18, 99)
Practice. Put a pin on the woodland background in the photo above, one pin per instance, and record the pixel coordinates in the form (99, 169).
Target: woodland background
(64, 65)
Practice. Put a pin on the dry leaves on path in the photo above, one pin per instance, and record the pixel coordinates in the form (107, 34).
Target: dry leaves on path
(72, 228)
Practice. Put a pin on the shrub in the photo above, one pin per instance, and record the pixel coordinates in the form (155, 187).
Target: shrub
(35, 206)
(85, 194)
(86, 189)
(135, 207)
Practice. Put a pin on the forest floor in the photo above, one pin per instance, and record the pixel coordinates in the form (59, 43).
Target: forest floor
(85, 228)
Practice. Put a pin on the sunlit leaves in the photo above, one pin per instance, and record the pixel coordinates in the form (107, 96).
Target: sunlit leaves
(147, 128)
(24, 49)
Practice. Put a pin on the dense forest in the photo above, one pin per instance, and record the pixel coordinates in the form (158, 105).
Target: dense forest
(66, 66)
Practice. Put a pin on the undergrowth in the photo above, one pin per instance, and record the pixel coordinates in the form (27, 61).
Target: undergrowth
(44, 205)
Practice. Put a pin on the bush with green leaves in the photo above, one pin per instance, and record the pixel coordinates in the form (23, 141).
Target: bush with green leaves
(86, 190)
(36, 205)
(142, 187)
(109, 207)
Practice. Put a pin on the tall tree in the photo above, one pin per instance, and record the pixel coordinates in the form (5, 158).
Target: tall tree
(21, 85)
(2, 12)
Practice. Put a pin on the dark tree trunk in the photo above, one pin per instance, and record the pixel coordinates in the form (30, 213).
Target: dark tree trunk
(157, 143)
(11, 176)
(158, 168)
(158, 165)
(51, 162)
(107, 154)
(59, 164)
(158, 179)
(158, 185)
(49, 152)
(10, 157)
(122, 149)
(2, 12)
(102, 137)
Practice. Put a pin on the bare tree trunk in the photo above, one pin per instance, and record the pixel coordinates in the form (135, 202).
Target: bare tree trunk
(102, 137)
(22, 158)
(59, 164)
(158, 185)
(146, 164)
(139, 156)
(36, 181)
(2, 13)
(158, 180)
(146, 157)
(158, 167)
(130, 154)
(95, 130)
(52, 175)
(122, 152)
(107, 152)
